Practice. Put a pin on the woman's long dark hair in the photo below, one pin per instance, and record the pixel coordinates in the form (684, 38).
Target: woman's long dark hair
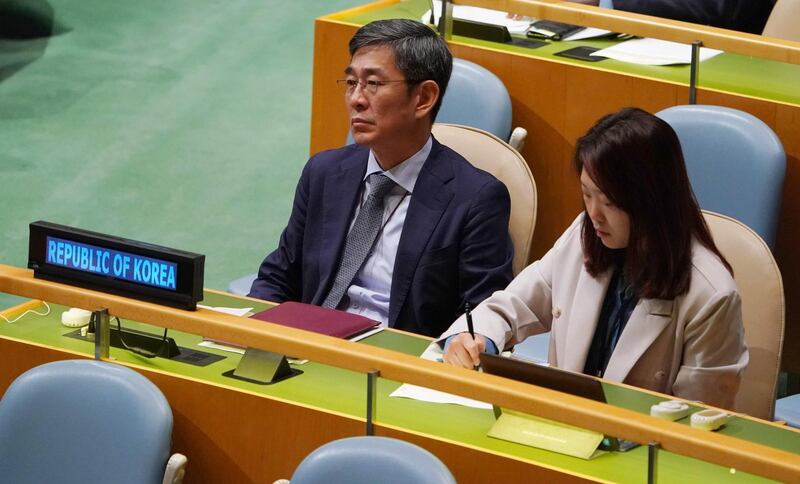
(635, 159)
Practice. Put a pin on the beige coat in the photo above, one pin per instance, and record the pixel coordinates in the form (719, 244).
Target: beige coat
(692, 346)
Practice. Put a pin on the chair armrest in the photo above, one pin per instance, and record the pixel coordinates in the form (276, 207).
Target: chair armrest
(176, 469)
(517, 139)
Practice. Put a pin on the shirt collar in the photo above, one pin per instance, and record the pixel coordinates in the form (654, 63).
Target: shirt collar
(406, 173)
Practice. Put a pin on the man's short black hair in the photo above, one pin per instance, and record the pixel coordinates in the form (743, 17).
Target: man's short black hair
(419, 52)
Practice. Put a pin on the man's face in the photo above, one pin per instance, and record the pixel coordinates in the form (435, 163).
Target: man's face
(380, 115)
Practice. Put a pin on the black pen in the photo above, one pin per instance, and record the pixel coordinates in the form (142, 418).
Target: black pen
(470, 328)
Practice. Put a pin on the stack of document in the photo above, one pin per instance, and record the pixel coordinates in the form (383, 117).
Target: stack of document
(485, 15)
(514, 23)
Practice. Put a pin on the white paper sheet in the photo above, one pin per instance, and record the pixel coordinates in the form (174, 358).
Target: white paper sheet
(406, 390)
(231, 311)
(239, 350)
(366, 334)
(485, 15)
(588, 33)
(654, 52)
(221, 347)
(414, 392)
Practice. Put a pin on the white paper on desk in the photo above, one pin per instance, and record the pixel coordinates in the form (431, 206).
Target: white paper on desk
(221, 347)
(478, 14)
(654, 52)
(231, 311)
(366, 334)
(240, 350)
(406, 390)
(588, 33)
(414, 392)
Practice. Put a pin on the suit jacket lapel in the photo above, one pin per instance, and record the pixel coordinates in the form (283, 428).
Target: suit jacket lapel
(340, 198)
(428, 202)
(586, 307)
(648, 320)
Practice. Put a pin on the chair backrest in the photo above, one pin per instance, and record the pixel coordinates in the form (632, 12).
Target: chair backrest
(491, 154)
(476, 97)
(761, 288)
(366, 460)
(784, 20)
(83, 421)
(735, 162)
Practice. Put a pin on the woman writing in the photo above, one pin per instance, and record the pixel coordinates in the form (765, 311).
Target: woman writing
(635, 290)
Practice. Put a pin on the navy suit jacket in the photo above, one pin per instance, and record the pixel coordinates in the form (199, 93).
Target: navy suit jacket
(454, 246)
(743, 15)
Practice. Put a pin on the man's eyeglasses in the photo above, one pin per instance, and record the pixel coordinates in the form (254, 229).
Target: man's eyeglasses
(369, 86)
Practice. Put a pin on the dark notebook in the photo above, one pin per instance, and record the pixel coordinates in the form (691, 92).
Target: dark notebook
(321, 320)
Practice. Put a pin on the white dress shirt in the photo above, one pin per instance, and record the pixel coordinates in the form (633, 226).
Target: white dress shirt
(371, 288)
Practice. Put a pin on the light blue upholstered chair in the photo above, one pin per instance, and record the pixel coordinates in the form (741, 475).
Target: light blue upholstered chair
(366, 460)
(534, 348)
(787, 409)
(735, 162)
(476, 97)
(85, 421)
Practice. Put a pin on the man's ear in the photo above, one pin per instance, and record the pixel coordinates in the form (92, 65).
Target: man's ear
(427, 96)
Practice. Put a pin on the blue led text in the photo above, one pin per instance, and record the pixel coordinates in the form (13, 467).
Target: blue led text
(121, 265)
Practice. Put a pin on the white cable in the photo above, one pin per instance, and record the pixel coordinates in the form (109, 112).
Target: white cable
(26, 312)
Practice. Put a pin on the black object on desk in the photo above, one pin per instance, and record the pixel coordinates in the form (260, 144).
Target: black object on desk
(492, 33)
(548, 29)
(581, 53)
(153, 343)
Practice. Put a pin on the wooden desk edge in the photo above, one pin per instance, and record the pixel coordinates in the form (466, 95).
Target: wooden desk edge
(720, 449)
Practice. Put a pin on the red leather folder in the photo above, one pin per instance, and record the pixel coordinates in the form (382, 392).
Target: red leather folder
(321, 320)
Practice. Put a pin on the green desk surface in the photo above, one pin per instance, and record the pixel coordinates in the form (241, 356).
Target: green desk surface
(344, 392)
(730, 73)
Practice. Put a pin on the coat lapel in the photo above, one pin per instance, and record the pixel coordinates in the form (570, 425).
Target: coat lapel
(340, 198)
(428, 202)
(648, 320)
(587, 304)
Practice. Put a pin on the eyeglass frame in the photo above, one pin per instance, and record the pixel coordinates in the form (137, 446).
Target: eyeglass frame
(369, 86)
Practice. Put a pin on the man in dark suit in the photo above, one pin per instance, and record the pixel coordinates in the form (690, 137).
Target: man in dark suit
(743, 15)
(398, 227)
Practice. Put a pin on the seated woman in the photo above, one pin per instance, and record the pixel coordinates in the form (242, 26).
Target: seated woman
(635, 290)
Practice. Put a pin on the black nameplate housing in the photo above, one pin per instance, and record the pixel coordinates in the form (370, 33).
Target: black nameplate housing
(116, 265)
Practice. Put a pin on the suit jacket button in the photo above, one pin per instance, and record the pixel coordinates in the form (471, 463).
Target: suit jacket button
(556, 312)
(660, 375)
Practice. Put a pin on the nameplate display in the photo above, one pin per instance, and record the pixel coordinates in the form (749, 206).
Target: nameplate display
(116, 265)
(122, 265)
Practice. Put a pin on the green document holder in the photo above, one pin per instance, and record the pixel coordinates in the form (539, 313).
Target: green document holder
(546, 434)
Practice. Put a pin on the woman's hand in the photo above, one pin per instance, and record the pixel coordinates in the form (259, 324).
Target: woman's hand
(463, 350)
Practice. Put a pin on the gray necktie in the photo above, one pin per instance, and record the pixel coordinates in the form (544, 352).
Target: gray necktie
(360, 239)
